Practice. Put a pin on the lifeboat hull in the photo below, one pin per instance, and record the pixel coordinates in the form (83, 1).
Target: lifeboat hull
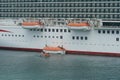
(54, 52)
(31, 27)
(79, 28)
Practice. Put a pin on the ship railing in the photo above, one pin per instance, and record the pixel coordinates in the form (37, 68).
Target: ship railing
(61, 22)
(54, 22)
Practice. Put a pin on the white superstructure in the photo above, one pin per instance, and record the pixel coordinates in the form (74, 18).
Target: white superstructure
(84, 36)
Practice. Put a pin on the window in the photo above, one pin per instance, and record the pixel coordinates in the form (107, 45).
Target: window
(77, 37)
(108, 31)
(65, 30)
(73, 37)
(86, 38)
(117, 39)
(34, 29)
(41, 36)
(117, 32)
(34, 36)
(61, 37)
(81, 38)
(5, 34)
(56, 30)
(60, 30)
(37, 36)
(112, 32)
(45, 30)
(68, 30)
(49, 30)
(41, 30)
(104, 31)
(56, 36)
(38, 29)
(99, 31)
(53, 30)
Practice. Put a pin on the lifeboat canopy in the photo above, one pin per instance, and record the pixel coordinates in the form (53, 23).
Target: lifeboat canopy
(79, 25)
(54, 50)
(30, 25)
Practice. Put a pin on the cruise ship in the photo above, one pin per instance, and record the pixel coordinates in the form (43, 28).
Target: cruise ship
(61, 26)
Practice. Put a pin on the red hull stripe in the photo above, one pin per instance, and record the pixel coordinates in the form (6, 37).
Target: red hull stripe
(67, 52)
(4, 31)
(94, 53)
(21, 49)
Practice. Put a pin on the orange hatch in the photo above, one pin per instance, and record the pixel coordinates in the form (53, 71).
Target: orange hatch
(31, 23)
(81, 24)
(48, 48)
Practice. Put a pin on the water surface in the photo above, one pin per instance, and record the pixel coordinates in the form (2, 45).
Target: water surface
(20, 65)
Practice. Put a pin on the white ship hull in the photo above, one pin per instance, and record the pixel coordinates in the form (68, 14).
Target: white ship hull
(15, 37)
(93, 42)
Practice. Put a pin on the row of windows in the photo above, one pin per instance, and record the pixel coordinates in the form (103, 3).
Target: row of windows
(61, 15)
(54, 0)
(62, 5)
(79, 38)
(12, 35)
(51, 30)
(60, 37)
(108, 31)
(37, 36)
(82, 10)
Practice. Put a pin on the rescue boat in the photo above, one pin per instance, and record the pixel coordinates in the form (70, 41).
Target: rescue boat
(54, 50)
(79, 26)
(31, 25)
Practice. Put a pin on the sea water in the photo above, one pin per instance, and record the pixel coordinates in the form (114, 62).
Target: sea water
(20, 65)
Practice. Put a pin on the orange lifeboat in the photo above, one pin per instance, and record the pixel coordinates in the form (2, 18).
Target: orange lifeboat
(31, 24)
(80, 25)
(55, 50)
